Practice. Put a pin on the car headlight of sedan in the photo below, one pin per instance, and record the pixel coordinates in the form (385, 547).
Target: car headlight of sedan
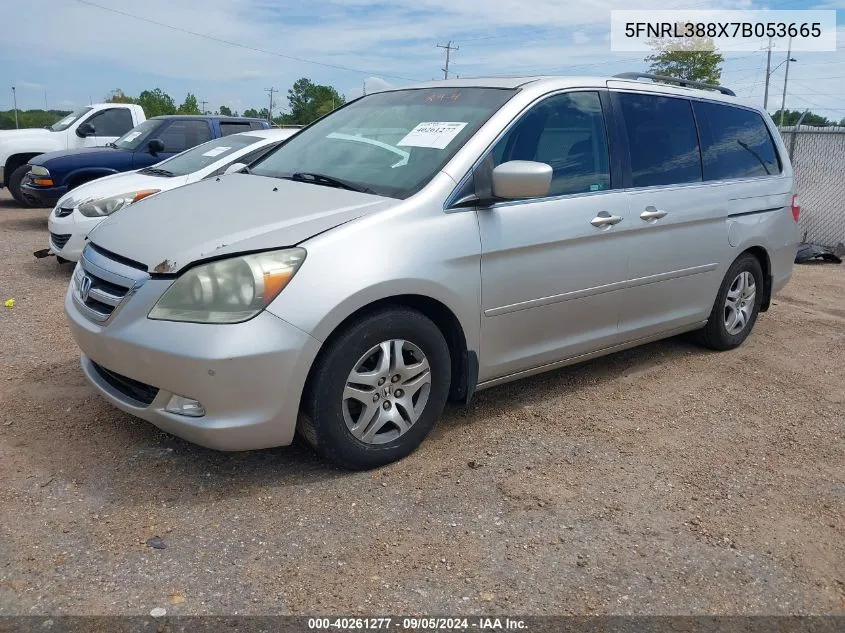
(228, 290)
(107, 206)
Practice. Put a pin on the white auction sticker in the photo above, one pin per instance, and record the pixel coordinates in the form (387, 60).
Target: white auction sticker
(217, 151)
(131, 137)
(436, 134)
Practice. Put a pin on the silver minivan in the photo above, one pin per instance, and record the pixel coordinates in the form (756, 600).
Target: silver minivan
(419, 244)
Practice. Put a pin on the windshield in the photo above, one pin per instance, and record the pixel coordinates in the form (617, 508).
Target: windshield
(135, 137)
(70, 119)
(206, 154)
(391, 143)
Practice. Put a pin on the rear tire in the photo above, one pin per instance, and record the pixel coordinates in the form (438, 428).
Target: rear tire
(378, 390)
(737, 305)
(15, 181)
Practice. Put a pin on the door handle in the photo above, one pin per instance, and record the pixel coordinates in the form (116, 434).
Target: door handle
(653, 213)
(604, 219)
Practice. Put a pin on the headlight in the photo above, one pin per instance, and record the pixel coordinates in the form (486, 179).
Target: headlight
(107, 206)
(38, 170)
(228, 290)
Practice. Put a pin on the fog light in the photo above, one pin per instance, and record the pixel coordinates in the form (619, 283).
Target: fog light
(180, 405)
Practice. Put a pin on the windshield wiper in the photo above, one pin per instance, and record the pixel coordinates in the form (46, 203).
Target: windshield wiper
(157, 171)
(112, 145)
(327, 181)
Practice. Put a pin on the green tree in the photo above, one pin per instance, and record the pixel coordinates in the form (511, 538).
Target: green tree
(30, 118)
(695, 59)
(790, 117)
(118, 96)
(225, 111)
(309, 101)
(155, 103)
(251, 113)
(189, 106)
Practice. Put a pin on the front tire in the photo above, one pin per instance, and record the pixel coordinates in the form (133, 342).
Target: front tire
(737, 305)
(378, 390)
(15, 181)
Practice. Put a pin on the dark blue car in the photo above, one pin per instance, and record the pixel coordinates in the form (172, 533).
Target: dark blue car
(53, 174)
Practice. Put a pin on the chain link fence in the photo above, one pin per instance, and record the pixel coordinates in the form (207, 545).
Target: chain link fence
(818, 160)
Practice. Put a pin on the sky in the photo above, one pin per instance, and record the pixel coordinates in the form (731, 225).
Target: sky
(71, 52)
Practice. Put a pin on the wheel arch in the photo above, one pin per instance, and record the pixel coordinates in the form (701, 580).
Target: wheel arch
(16, 160)
(80, 177)
(464, 361)
(762, 256)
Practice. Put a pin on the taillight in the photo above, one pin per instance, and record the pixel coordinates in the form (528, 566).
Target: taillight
(796, 207)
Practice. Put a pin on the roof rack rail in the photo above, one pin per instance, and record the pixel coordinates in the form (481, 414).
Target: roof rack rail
(681, 82)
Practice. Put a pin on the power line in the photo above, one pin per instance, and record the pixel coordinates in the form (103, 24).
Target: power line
(239, 45)
(203, 106)
(449, 48)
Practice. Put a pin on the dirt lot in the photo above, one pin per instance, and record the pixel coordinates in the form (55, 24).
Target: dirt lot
(663, 480)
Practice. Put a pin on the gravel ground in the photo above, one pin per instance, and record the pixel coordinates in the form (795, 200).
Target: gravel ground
(662, 480)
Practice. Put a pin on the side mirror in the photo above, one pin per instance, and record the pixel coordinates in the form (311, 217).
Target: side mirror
(155, 146)
(521, 179)
(85, 129)
(234, 168)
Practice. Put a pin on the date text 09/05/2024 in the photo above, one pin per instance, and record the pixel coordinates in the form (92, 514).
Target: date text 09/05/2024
(418, 624)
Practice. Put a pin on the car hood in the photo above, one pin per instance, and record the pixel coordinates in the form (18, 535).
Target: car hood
(118, 184)
(30, 140)
(228, 215)
(36, 132)
(120, 159)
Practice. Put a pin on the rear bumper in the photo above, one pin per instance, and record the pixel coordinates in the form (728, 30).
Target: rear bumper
(44, 196)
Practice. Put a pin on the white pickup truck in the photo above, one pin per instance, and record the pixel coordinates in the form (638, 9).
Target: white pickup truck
(92, 126)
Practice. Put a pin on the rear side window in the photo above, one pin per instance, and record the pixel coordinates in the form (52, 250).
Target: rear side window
(233, 127)
(181, 135)
(662, 139)
(735, 142)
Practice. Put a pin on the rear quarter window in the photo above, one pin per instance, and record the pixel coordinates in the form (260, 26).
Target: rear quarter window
(234, 127)
(735, 142)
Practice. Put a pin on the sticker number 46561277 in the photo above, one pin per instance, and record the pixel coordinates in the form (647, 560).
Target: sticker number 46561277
(435, 134)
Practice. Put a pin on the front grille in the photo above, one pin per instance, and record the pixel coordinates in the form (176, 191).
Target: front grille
(101, 284)
(59, 239)
(62, 212)
(133, 389)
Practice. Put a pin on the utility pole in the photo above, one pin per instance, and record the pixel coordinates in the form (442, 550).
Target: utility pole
(449, 48)
(15, 100)
(365, 87)
(785, 79)
(270, 91)
(768, 74)
(202, 106)
(45, 99)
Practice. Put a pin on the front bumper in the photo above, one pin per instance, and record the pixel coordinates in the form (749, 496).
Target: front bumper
(68, 234)
(43, 196)
(248, 376)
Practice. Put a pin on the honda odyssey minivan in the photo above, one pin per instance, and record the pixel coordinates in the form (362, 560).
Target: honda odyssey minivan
(420, 244)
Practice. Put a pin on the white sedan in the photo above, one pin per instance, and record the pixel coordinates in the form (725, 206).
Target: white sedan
(79, 211)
